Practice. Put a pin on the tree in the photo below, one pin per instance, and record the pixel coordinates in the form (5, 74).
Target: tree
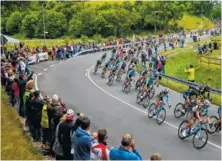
(55, 24)
(13, 23)
(29, 24)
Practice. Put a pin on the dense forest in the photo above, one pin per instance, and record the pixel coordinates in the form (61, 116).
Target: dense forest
(97, 19)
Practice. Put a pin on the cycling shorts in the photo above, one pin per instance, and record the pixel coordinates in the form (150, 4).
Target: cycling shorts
(106, 65)
(123, 67)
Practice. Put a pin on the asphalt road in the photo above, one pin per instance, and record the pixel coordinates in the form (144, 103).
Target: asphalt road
(110, 108)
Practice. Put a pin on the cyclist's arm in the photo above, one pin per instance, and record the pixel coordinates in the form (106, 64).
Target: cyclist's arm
(168, 99)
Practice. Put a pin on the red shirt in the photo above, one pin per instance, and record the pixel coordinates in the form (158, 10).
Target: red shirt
(15, 88)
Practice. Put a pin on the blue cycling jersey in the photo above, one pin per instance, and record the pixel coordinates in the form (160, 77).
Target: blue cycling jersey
(131, 73)
(188, 93)
(149, 81)
(108, 63)
(115, 68)
(144, 73)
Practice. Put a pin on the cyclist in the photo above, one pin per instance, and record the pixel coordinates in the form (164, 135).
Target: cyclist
(107, 65)
(160, 97)
(114, 70)
(112, 57)
(123, 67)
(149, 83)
(219, 111)
(143, 75)
(98, 63)
(103, 57)
(196, 114)
(130, 74)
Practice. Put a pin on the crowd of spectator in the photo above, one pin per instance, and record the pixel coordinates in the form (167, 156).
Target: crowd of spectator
(63, 133)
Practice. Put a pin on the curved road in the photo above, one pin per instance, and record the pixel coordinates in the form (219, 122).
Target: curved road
(110, 108)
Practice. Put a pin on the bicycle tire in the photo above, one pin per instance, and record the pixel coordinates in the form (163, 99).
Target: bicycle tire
(127, 90)
(138, 99)
(123, 87)
(149, 110)
(177, 108)
(179, 129)
(146, 102)
(152, 93)
(158, 115)
(137, 85)
(194, 136)
(212, 124)
(103, 75)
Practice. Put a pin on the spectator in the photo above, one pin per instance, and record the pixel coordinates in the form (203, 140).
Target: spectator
(64, 135)
(82, 141)
(191, 73)
(45, 125)
(99, 150)
(123, 152)
(22, 88)
(15, 86)
(36, 106)
(156, 156)
(54, 113)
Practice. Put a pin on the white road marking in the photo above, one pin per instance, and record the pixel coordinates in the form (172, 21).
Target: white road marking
(87, 70)
(40, 74)
(52, 65)
(86, 74)
(36, 85)
(45, 69)
(215, 145)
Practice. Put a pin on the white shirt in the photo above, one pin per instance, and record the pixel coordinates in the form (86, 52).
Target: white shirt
(22, 65)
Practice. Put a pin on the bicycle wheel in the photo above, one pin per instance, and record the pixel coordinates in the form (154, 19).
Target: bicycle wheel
(127, 90)
(178, 110)
(151, 93)
(211, 128)
(138, 98)
(123, 87)
(103, 75)
(200, 135)
(110, 82)
(146, 102)
(161, 116)
(96, 68)
(151, 110)
(181, 129)
(137, 85)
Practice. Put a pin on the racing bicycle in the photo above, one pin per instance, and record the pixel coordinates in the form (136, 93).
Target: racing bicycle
(126, 86)
(160, 112)
(146, 99)
(199, 133)
(213, 126)
(110, 80)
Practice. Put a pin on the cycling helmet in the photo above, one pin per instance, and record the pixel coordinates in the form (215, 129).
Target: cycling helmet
(167, 90)
(207, 103)
(70, 115)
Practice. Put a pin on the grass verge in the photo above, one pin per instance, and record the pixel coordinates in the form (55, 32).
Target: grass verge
(15, 144)
(191, 22)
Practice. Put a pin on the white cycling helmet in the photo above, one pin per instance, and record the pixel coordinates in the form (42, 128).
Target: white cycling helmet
(207, 103)
(167, 90)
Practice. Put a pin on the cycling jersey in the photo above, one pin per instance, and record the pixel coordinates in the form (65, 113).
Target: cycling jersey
(165, 94)
(149, 81)
(115, 68)
(118, 61)
(107, 64)
(144, 73)
(190, 92)
(104, 56)
(131, 73)
(98, 62)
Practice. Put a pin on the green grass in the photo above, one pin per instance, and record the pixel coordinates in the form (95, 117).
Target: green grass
(190, 22)
(15, 145)
(202, 74)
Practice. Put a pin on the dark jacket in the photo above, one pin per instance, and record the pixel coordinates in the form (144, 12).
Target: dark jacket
(65, 130)
(36, 106)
